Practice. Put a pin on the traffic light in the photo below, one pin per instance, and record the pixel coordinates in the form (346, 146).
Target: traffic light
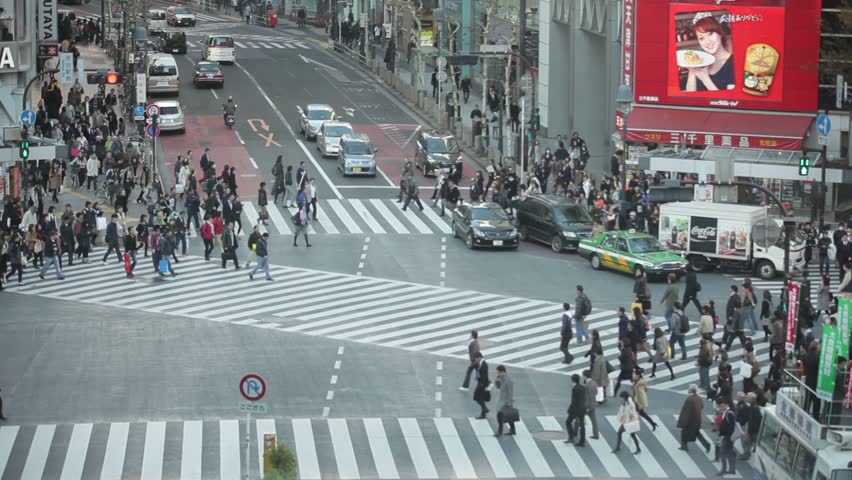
(804, 166)
(536, 122)
(24, 150)
(103, 77)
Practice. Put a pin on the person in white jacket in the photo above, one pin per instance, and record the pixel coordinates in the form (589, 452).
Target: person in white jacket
(92, 172)
(29, 218)
(628, 417)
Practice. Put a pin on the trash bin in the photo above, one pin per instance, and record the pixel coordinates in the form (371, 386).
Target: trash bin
(273, 19)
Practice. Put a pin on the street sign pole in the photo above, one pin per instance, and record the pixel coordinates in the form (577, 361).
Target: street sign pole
(248, 442)
(823, 128)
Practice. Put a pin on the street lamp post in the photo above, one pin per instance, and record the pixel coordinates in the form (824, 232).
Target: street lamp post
(624, 98)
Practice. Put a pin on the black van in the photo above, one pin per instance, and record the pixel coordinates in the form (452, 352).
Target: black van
(172, 42)
(553, 220)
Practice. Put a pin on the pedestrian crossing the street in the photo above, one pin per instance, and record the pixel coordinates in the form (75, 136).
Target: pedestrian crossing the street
(338, 448)
(354, 216)
(514, 331)
(777, 285)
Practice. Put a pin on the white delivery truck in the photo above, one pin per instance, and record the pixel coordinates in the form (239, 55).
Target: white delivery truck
(727, 235)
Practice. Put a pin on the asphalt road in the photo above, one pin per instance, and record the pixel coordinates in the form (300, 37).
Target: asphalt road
(369, 323)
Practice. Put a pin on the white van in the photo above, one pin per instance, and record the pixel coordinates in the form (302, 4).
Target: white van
(218, 48)
(156, 21)
(162, 73)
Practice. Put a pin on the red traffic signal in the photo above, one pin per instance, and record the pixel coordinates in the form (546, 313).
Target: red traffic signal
(103, 77)
(113, 78)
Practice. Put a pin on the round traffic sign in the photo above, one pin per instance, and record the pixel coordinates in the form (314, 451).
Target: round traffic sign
(442, 76)
(441, 62)
(152, 130)
(252, 387)
(152, 110)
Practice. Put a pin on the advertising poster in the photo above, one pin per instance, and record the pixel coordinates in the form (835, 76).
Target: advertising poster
(844, 305)
(792, 315)
(702, 234)
(733, 238)
(674, 231)
(66, 68)
(731, 53)
(703, 193)
(827, 362)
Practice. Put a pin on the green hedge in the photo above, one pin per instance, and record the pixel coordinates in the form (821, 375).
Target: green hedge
(284, 465)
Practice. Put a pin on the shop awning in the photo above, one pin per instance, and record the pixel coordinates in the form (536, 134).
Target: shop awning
(717, 128)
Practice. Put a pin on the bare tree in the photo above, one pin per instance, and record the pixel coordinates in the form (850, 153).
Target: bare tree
(413, 9)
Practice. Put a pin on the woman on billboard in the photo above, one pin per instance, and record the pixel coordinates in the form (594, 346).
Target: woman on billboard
(712, 68)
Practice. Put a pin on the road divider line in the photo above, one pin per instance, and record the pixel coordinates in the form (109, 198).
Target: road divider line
(253, 163)
(292, 132)
(239, 137)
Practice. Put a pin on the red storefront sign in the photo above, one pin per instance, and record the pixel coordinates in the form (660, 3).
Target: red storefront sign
(705, 139)
(732, 55)
(792, 315)
(627, 43)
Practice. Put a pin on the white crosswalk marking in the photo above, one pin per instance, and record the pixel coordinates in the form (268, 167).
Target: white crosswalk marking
(412, 217)
(491, 446)
(7, 441)
(435, 219)
(190, 465)
(241, 45)
(152, 460)
(380, 448)
(229, 450)
(404, 448)
(365, 215)
(347, 465)
(76, 455)
(397, 226)
(39, 448)
(252, 214)
(115, 451)
(344, 216)
(306, 451)
(278, 220)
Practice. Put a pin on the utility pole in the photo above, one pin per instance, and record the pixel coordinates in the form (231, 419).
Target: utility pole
(822, 186)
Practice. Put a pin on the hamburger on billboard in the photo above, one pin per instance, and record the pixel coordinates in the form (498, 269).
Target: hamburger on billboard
(734, 54)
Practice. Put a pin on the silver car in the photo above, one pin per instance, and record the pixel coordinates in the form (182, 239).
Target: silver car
(171, 116)
(357, 156)
(312, 117)
(329, 135)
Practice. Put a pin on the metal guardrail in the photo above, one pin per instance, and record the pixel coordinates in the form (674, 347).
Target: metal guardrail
(833, 415)
(353, 53)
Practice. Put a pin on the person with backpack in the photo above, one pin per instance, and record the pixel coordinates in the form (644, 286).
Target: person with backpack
(167, 249)
(582, 309)
(251, 243)
(680, 327)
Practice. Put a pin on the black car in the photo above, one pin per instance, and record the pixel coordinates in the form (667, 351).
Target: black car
(484, 225)
(172, 42)
(553, 220)
(208, 73)
(437, 150)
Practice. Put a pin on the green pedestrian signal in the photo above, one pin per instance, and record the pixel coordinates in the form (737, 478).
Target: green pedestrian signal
(24, 150)
(804, 166)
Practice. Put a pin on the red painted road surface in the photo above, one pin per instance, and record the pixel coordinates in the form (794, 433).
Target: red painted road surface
(225, 149)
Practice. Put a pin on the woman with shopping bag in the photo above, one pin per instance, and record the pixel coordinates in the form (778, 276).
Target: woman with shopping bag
(629, 420)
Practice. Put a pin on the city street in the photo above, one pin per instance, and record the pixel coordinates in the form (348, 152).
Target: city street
(362, 338)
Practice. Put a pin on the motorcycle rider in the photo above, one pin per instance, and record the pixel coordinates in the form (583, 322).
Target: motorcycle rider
(230, 108)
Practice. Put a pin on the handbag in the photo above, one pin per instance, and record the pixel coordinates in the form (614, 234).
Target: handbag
(600, 395)
(164, 266)
(632, 426)
(101, 223)
(586, 324)
(745, 370)
(295, 219)
(179, 188)
(511, 415)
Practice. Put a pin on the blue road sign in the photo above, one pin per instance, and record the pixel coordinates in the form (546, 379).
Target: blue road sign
(28, 117)
(139, 111)
(823, 124)
(152, 130)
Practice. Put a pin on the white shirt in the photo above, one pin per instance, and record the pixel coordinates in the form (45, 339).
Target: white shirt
(313, 190)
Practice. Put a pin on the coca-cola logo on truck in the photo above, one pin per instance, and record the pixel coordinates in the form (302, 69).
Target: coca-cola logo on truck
(703, 234)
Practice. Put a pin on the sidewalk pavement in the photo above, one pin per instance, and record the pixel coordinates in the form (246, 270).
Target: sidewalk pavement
(94, 58)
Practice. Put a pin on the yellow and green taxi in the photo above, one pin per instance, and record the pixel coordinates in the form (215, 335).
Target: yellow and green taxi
(628, 251)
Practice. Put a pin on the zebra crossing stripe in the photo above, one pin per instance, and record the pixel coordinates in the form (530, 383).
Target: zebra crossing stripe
(39, 448)
(417, 449)
(240, 44)
(454, 448)
(609, 460)
(278, 220)
(75, 458)
(116, 448)
(532, 454)
(347, 465)
(190, 456)
(343, 215)
(306, 452)
(229, 449)
(365, 215)
(681, 458)
(434, 218)
(380, 448)
(155, 444)
(397, 226)
(491, 447)
(569, 455)
(412, 217)
(7, 440)
(647, 462)
(253, 216)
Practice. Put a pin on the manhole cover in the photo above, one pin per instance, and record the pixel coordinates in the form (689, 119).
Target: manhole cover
(486, 344)
(150, 280)
(548, 435)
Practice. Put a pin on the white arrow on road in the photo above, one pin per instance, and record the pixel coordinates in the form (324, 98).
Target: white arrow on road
(349, 111)
(309, 60)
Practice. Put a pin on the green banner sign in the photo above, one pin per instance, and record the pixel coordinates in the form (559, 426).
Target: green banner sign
(844, 307)
(828, 362)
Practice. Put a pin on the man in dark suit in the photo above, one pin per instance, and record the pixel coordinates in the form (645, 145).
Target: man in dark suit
(481, 395)
(472, 350)
(229, 246)
(690, 292)
(726, 445)
(577, 412)
(734, 319)
(111, 239)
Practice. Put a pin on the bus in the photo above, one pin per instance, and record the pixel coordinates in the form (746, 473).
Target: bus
(792, 445)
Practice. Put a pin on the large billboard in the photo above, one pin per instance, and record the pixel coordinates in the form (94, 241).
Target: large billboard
(732, 54)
